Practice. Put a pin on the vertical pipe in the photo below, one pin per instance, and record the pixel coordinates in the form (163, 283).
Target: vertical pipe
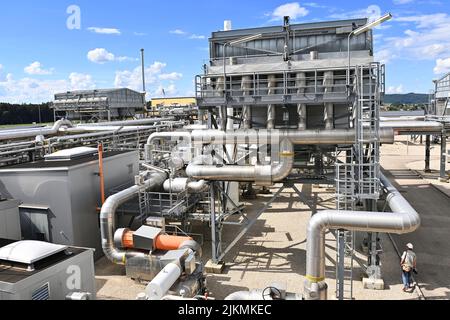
(101, 173)
(443, 174)
(329, 116)
(271, 84)
(427, 153)
(213, 224)
(246, 110)
(301, 108)
(340, 266)
(328, 81)
(221, 88)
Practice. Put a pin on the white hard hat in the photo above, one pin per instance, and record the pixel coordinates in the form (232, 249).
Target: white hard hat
(410, 246)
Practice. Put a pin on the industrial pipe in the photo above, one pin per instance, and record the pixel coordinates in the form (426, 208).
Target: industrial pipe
(161, 284)
(307, 137)
(178, 185)
(185, 136)
(409, 127)
(245, 295)
(261, 174)
(124, 238)
(404, 219)
(107, 218)
(26, 133)
(146, 121)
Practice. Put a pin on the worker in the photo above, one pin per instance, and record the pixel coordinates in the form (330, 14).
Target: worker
(408, 264)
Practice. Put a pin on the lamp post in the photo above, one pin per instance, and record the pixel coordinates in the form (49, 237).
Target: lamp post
(359, 31)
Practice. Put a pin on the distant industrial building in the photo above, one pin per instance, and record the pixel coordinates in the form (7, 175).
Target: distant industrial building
(179, 101)
(442, 96)
(98, 104)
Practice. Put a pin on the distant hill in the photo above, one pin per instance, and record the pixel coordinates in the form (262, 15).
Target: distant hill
(409, 98)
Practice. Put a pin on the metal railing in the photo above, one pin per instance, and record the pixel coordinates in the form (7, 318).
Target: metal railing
(257, 84)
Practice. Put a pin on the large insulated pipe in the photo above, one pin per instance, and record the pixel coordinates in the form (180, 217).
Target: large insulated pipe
(307, 137)
(161, 284)
(147, 121)
(246, 295)
(262, 174)
(300, 83)
(408, 127)
(34, 132)
(178, 185)
(107, 218)
(403, 219)
(272, 85)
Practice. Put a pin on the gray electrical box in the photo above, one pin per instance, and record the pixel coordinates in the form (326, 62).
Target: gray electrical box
(144, 237)
(33, 270)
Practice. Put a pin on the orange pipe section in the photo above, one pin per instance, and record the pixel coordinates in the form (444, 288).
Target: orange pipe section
(127, 240)
(166, 242)
(101, 172)
(162, 242)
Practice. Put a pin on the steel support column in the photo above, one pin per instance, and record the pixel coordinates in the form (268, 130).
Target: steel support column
(427, 153)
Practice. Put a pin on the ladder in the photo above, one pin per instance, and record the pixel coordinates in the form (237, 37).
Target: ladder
(367, 127)
(345, 200)
(358, 178)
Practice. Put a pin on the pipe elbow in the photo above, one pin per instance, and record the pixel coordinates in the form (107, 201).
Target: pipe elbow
(197, 186)
(193, 171)
(318, 222)
(194, 246)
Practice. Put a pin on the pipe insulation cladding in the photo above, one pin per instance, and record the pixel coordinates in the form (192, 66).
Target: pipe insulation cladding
(107, 218)
(403, 219)
(306, 137)
(34, 132)
(261, 174)
(161, 284)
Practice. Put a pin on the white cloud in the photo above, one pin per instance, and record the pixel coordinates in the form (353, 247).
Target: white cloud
(125, 58)
(402, 1)
(395, 90)
(372, 12)
(425, 21)
(189, 35)
(133, 79)
(29, 90)
(427, 37)
(442, 66)
(112, 31)
(178, 31)
(293, 9)
(80, 81)
(171, 76)
(197, 37)
(100, 55)
(153, 78)
(384, 56)
(36, 69)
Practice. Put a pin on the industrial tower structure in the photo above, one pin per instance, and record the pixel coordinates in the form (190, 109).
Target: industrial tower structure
(315, 76)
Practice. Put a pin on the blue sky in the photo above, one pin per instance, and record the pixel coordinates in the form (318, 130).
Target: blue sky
(40, 55)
